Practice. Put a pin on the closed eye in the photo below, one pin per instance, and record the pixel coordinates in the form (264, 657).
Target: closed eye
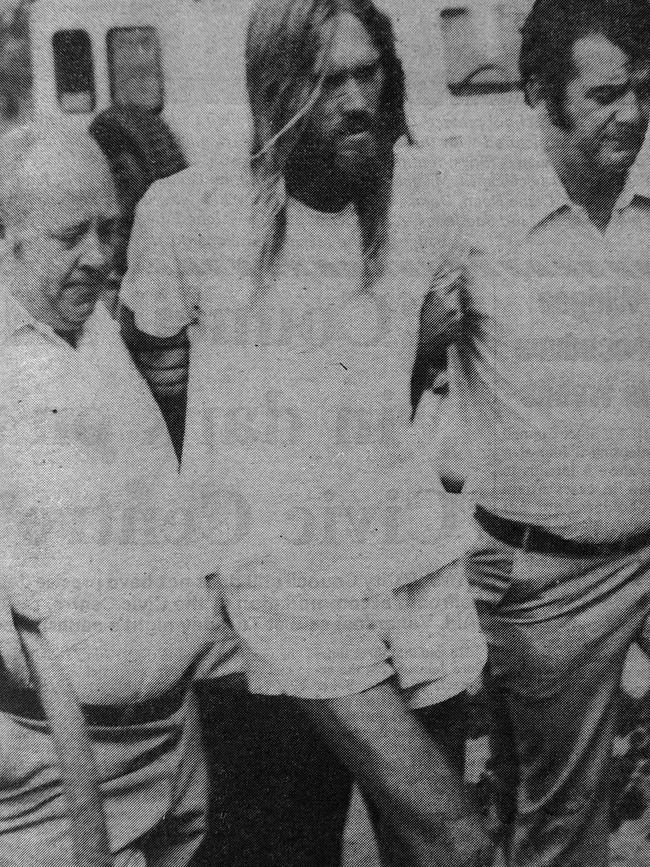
(607, 94)
(71, 235)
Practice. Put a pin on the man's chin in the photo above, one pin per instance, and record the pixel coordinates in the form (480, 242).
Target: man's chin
(359, 161)
(78, 314)
(621, 159)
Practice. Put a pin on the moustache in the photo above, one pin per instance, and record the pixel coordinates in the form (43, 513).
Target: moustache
(627, 137)
(357, 124)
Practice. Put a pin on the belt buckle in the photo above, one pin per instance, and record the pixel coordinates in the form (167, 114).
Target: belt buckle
(525, 539)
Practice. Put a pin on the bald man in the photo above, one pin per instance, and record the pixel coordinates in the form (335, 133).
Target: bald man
(95, 537)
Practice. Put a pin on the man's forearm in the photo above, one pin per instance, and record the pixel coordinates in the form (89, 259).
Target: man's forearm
(164, 363)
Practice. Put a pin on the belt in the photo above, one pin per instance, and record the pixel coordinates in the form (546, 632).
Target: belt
(24, 702)
(541, 541)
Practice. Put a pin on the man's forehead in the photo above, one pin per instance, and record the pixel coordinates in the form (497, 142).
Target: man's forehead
(74, 204)
(348, 43)
(598, 60)
(66, 189)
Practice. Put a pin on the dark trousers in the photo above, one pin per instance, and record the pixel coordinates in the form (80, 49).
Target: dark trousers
(559, 630)
(280, 796)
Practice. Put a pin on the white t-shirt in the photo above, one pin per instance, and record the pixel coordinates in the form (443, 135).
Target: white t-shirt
(322, 495)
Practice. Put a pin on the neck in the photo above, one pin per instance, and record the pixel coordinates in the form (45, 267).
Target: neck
(596, 192)
(319, 187)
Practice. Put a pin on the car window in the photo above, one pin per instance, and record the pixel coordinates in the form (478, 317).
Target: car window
(481, 51)
(134, 67)
(73, 71)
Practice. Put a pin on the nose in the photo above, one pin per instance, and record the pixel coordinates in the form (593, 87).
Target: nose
(629, 110)
(96, 253)
(353, 97)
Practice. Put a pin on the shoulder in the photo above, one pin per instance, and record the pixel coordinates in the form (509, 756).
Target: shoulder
(418, 187)
(197, 193)
(426, 222)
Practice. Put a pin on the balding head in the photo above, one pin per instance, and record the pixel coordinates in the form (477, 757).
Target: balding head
(39, 162)
(59, 212)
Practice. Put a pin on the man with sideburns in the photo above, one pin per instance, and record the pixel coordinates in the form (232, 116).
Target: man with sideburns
(546, 330)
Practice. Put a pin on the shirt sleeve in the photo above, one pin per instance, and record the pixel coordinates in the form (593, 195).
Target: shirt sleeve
(154, 287)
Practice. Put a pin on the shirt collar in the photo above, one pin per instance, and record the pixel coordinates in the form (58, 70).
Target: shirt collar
(548, 195)
(15, 318)
(638, 179)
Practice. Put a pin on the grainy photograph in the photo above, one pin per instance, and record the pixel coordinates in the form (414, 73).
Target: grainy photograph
(324, 433)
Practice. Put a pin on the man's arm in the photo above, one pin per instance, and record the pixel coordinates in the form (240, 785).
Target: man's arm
(441, 323)
(164, 363)
(427, 817)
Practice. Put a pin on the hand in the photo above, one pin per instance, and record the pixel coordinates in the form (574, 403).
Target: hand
(442, 311)
(12, 656)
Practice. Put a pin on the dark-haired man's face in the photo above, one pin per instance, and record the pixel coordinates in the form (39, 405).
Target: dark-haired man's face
(345, 128)
(607, 105)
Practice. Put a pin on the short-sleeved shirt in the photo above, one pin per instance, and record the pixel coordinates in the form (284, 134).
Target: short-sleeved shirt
(551, 376)
(323, 495)
(95, 525)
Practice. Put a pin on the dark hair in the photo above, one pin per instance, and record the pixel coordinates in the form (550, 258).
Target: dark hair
(283, 51)
(283, 46)
(554, 26)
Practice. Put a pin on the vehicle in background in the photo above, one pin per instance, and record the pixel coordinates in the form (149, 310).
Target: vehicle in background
(481, 42)
(181, 60)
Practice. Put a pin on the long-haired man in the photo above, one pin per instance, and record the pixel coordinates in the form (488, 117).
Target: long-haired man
(297, 279)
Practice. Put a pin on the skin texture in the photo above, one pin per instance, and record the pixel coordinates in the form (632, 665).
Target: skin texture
(343, 142)
(607, 106)
(63, 238)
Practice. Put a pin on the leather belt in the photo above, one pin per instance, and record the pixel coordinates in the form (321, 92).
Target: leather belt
(529, 537)
(24, 702)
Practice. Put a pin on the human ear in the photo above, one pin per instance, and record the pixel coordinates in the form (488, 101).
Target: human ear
(545, 103)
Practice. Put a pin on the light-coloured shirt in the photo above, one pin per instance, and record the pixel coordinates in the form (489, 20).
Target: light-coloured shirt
(551, 377)
(323, 495)
(96, 529)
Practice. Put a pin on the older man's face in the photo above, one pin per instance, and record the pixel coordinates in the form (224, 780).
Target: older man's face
(345, 125)
(607, 106)
(67, 243)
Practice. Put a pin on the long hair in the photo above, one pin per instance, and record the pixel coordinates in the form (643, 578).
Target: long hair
(284, 81)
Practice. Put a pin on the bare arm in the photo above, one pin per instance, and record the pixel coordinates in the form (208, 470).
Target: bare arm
(427, 817)
(164, 363)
